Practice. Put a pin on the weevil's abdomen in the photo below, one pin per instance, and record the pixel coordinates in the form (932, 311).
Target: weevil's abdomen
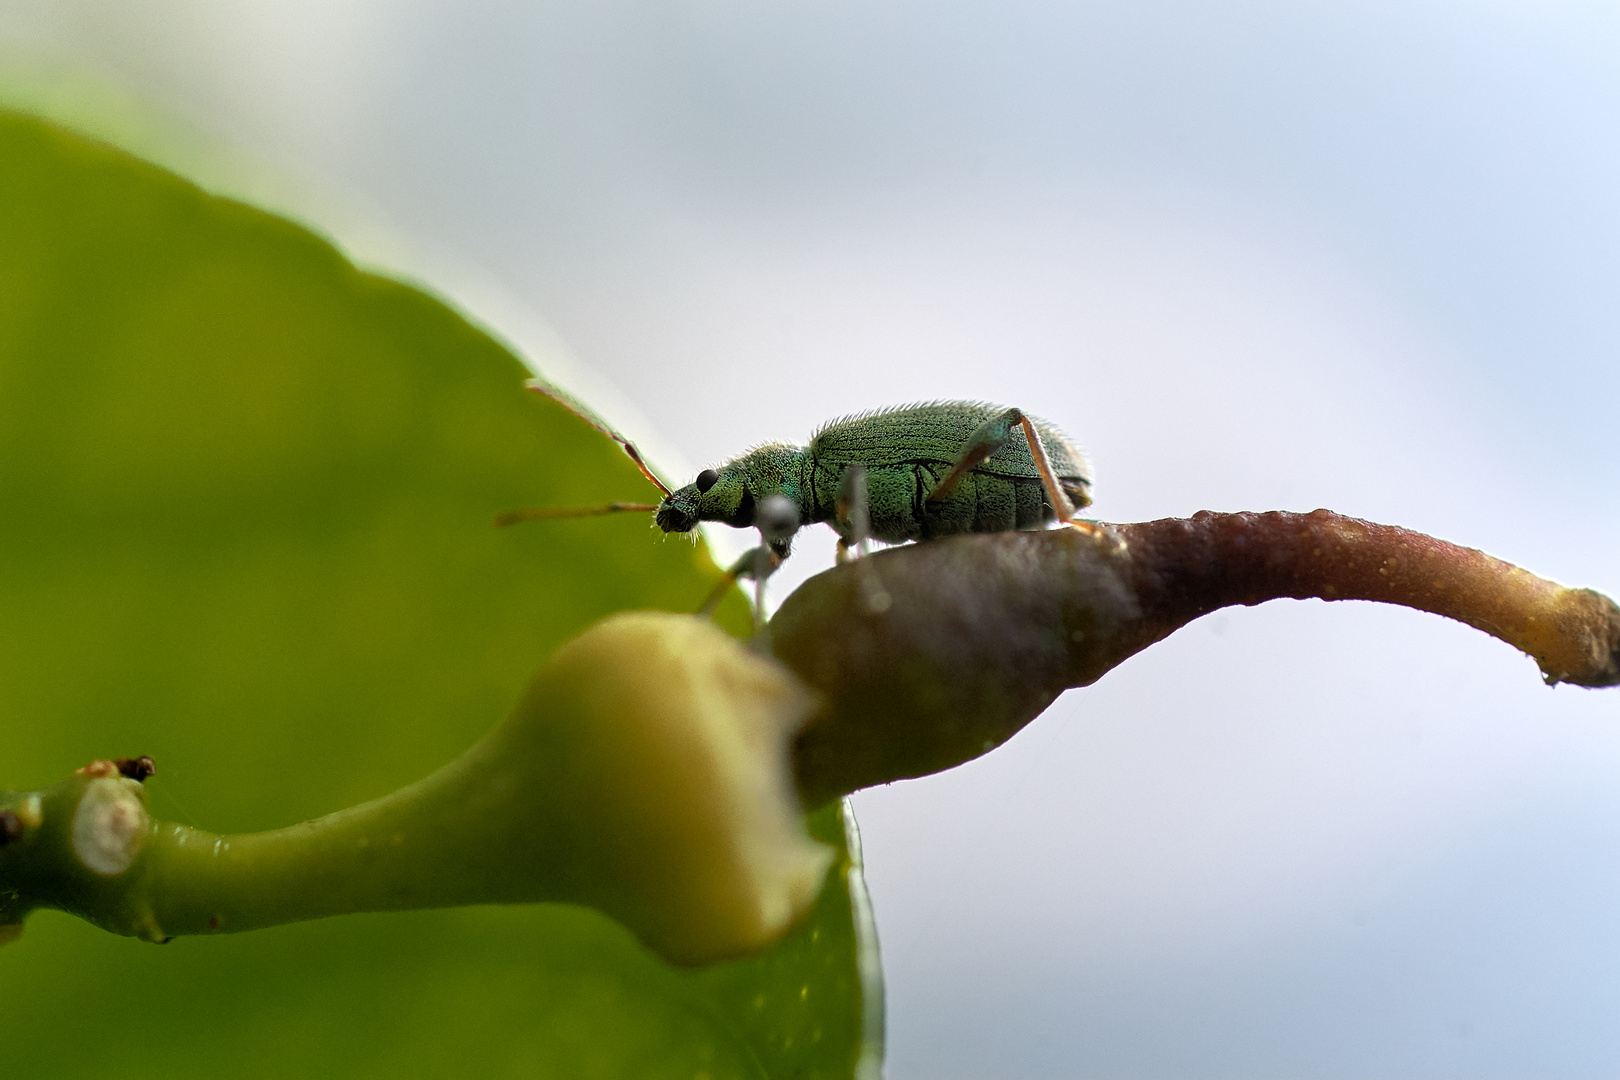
(897, 503)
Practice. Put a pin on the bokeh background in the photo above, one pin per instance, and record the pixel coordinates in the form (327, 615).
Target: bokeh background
(1253, 255)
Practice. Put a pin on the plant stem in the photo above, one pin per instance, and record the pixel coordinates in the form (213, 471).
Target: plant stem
(981, 633)
(1186, 567)
(643, 773)
(372, 857)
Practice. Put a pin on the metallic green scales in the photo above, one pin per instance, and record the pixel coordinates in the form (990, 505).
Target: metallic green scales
(937, 432)
(908, 450)
(906, 453)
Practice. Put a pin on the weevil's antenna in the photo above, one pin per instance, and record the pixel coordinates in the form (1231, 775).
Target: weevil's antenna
(557, 394)
(546, 513)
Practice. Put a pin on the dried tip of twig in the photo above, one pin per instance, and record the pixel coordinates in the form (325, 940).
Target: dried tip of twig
(1588, 652)
(11, 827)
(137, 769)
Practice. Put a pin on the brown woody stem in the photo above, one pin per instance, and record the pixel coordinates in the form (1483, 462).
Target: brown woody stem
(981, 633)
(1187, 567)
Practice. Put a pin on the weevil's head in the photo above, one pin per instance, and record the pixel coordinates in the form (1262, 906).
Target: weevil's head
(731, 493)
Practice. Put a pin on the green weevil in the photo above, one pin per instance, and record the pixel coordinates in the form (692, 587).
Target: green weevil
(927, 470)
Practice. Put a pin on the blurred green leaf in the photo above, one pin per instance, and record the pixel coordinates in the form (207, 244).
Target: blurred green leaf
(246, 495)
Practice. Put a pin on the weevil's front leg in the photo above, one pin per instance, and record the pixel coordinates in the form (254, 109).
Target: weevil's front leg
(851, 515)
(854, 522)
(756, 563)
(991, 436)
(777, 519)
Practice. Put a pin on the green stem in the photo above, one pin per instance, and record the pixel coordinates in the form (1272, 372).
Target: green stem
(644, 773)
(479, 830)
(481, 824)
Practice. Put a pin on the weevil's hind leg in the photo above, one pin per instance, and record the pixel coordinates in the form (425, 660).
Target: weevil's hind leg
(991, 436)
(986, 439)
(547, 513)
(1061, 505)
(561, 397)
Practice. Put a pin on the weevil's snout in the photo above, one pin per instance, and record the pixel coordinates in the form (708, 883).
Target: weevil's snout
(678, 512)
(682, 510)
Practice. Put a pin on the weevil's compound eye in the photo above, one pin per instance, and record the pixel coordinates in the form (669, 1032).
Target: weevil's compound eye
(707, 479)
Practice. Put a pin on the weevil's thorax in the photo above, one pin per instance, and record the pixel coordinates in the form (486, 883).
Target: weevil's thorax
(730, 493)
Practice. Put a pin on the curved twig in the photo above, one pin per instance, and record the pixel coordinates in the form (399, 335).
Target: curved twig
(983, 632)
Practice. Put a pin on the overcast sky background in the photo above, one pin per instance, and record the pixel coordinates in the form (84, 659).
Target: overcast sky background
(1253, 255)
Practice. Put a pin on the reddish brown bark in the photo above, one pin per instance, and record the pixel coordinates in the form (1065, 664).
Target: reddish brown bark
(929, 655)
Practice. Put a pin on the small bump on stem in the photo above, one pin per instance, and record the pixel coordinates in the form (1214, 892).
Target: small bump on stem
(31, 811)
(136, 769)
(110, 826)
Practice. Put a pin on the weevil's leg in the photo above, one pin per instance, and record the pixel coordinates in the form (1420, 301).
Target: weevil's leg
(855, 521)
(986, 439)
(765, 561)
(777, 519)
(733, 574)
(991, 436)
(852, 513)
(557, 394)
(757, 563)
(1054, 490)
(545, 513)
